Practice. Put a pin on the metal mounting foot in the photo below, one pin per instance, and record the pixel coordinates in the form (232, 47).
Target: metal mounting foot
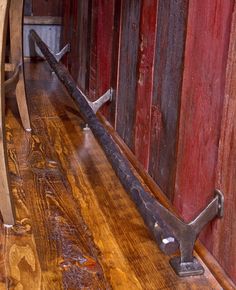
(186, 235)
(172, 233)
(96, 105)
(185, 269)
(58, 56)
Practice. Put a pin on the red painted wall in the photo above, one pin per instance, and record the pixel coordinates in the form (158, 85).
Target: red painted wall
(145, 80)
(224, 232)
(101, 48)
(207, 42)
(46, 8)
(202, 98)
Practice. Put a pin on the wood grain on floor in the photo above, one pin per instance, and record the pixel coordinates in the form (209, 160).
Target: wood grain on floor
(77, 227)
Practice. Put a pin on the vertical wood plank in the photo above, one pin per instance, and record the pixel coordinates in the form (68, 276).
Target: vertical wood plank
(77, 31)
(147, 37)
(168, 72)
(66, 36)
(115, 59)
(201, 104)
(104, 47)
(47, 8)
(72, 36)
(28, 7)
(127, 75)
(225, 232)
(101, 48)
(81, 67)
(80, 52)
(93, 51)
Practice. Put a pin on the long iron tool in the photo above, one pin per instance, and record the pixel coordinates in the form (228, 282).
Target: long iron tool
(168, 229)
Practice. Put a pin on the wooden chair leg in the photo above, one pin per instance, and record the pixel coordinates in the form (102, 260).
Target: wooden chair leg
(6, 205)
(6, 208)
(16, 24)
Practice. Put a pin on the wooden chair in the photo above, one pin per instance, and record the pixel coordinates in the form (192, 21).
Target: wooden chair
(11, 10)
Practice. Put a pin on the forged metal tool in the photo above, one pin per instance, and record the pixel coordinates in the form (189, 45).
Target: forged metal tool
(187, 233)
(96, 105)
(58, 56)
(164, 225)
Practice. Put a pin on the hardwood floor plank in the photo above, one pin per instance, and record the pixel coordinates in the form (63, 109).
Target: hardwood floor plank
(103, 195)
(22, 267)
(63, 244)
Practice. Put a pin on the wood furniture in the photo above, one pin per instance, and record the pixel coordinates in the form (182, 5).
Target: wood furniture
(11, 10)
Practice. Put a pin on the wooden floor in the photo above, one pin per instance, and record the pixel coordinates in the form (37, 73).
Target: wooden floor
(77, 227)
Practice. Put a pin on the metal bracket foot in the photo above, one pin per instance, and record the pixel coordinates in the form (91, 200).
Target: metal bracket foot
(58, 56)
(96, 105)
(185, 235)
(193, 268)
